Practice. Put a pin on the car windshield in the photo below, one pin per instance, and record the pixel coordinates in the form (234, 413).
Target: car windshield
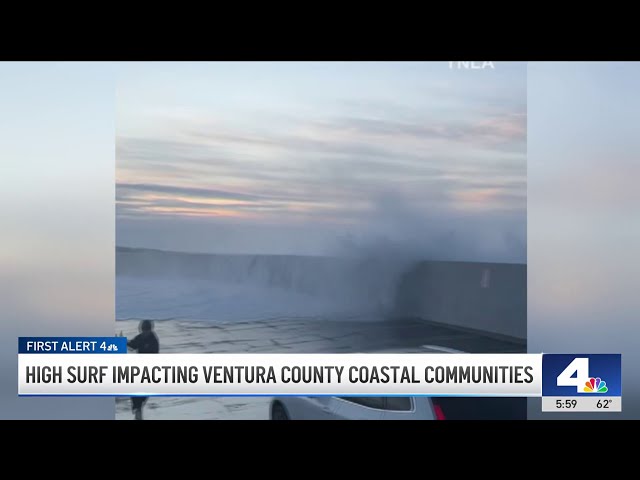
(398, 404)
(369, 402)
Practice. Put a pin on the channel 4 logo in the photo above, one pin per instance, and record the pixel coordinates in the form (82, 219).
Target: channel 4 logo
(571, 375)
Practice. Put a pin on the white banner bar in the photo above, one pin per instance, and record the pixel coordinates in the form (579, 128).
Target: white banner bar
(281, 374)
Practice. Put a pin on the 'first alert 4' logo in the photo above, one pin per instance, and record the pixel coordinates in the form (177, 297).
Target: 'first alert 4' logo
(577, 375)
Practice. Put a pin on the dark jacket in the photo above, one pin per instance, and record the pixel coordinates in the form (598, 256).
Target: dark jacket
(145, 342)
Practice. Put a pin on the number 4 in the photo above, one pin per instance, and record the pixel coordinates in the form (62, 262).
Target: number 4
(579, 366)
(103, 346)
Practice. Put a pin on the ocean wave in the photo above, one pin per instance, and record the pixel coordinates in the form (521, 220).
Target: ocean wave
(164, 285)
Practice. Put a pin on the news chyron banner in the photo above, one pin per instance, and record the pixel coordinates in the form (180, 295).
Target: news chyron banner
(101, 366)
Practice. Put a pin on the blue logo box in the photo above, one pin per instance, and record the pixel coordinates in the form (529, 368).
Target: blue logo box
(581, 375)
(44, 345)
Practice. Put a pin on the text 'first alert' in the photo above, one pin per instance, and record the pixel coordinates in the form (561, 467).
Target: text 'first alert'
(61, 346)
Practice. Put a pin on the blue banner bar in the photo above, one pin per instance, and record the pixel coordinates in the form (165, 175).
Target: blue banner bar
(72, 345)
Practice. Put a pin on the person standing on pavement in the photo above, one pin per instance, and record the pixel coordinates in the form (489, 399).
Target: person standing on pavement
(145, 342)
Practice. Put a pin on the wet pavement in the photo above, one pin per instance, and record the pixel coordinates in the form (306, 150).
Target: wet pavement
(317, 336)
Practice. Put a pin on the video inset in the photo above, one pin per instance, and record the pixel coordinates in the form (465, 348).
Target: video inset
(311, 207)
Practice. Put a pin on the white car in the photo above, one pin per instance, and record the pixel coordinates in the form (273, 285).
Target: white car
(354, 408)
(358, 408)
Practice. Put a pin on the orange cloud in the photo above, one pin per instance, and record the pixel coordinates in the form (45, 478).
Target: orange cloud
(210, 201)
(478, 196)
(505, 127)
(195, 212)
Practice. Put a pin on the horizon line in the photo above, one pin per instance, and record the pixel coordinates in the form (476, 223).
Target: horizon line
(182, 252)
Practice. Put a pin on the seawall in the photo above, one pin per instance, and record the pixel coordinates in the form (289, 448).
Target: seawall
(489, 297)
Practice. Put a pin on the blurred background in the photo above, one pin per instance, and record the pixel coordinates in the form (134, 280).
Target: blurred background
(583, 223)
(57, 213)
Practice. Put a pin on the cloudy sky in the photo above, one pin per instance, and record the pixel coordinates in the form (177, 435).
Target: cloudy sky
(323, 158)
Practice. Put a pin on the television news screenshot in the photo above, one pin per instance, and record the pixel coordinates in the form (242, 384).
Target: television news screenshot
(431, 241)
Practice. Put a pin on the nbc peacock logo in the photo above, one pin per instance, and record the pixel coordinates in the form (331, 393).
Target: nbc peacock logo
(595, 385)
